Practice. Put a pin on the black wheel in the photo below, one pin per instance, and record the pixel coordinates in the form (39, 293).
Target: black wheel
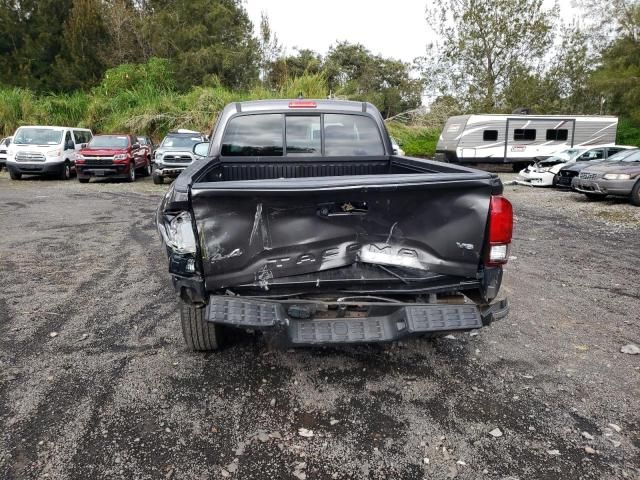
(14, 175)
(595, 196)
(634, 198)
(157, 178)
(148, 169)
(132, 172)
(199, 334)
(65, 171)
(83, 180)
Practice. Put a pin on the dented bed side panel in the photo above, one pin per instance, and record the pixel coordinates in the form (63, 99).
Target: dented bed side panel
(252, 236)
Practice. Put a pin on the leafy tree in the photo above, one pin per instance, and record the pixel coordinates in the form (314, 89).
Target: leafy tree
(203, 38)
(483, 44)
(353, 72)
(304, 62)
(269, 47)
(78, 64)
(618, 77)
(33, 39)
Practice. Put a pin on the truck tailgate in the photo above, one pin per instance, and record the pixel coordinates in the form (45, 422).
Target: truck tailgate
(251, 232)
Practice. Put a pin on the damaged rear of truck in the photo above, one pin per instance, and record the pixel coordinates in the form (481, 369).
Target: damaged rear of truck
(303, 223)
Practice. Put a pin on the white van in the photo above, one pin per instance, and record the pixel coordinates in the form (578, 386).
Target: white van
(42, 150)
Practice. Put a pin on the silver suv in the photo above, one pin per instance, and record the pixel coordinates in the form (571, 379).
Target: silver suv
(175, 153)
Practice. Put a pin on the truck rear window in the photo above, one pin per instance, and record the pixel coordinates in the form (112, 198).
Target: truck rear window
(254, 136)
(263, 134)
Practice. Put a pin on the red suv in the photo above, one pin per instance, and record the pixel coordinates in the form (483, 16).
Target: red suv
(115, 156)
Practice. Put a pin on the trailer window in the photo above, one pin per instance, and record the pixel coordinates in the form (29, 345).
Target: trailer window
(490, 135)
(557, 135)
(254, 136)
(524, 134)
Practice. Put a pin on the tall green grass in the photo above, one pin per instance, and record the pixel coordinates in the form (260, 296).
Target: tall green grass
(139, 99)
(415, 141)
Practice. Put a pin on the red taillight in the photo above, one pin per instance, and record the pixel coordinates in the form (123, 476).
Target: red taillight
(500, 230)
(302, 104)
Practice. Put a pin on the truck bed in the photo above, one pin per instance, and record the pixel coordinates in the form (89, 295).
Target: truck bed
(389, 224)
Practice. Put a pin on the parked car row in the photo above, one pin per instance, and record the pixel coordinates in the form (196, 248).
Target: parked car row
(597, 172)
(63, 151)
(4, 145)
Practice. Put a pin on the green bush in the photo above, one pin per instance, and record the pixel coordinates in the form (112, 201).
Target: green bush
(628, 132)
(415, 141)
(139, 99)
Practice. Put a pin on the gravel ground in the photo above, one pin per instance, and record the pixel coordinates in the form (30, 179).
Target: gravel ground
(95, 381)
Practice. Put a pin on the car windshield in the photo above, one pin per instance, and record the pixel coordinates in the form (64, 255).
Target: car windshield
(180, 142)
(621, 156)
(109, 141)
(38, 136)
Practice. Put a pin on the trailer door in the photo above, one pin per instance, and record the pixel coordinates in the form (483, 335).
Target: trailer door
(530, 139)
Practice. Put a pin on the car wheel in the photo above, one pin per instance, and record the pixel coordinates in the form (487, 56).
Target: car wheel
(634, 198)
(83, 180)
(148, 169)
(132, 172)
(158, 179)
(199, 334)
(65, 172)
(14, 175)
(595, 196)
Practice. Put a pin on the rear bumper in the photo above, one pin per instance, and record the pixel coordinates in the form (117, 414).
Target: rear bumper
(320, 323)
(602, 186)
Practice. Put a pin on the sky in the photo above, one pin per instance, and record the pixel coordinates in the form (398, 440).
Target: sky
(392, 28)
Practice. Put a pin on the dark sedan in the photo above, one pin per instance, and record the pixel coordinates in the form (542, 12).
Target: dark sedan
(619, 178)
(566, 174)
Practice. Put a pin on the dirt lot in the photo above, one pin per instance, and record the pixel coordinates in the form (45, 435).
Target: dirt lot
(95, 381)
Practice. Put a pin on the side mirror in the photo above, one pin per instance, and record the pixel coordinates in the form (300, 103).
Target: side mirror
(83, 145)
(135, 146)
(201, 149)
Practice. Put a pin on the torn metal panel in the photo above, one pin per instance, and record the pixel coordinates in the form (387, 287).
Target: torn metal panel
(270, 235)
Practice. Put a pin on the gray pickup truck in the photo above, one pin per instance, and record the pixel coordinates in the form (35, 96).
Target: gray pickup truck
(301, 221)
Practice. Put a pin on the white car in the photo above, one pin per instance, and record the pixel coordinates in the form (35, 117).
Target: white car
(4, 146)
(45, 150)
(396, 148)
(542, 173)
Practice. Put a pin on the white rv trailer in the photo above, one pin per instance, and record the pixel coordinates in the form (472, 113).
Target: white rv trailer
(519, 139)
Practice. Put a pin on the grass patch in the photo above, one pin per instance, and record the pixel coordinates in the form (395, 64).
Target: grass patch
(415, 141)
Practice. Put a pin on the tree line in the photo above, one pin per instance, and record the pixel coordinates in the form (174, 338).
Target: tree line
(487, 55)
(68, 45)
(501, 55)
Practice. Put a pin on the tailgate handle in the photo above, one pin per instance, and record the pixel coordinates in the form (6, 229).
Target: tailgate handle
(337, 209)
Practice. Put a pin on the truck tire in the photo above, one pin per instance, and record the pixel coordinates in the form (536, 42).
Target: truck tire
(157, 179)
(199, 334)
(132, 173)
(14, 175)
(65, 171)
(634, 198)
